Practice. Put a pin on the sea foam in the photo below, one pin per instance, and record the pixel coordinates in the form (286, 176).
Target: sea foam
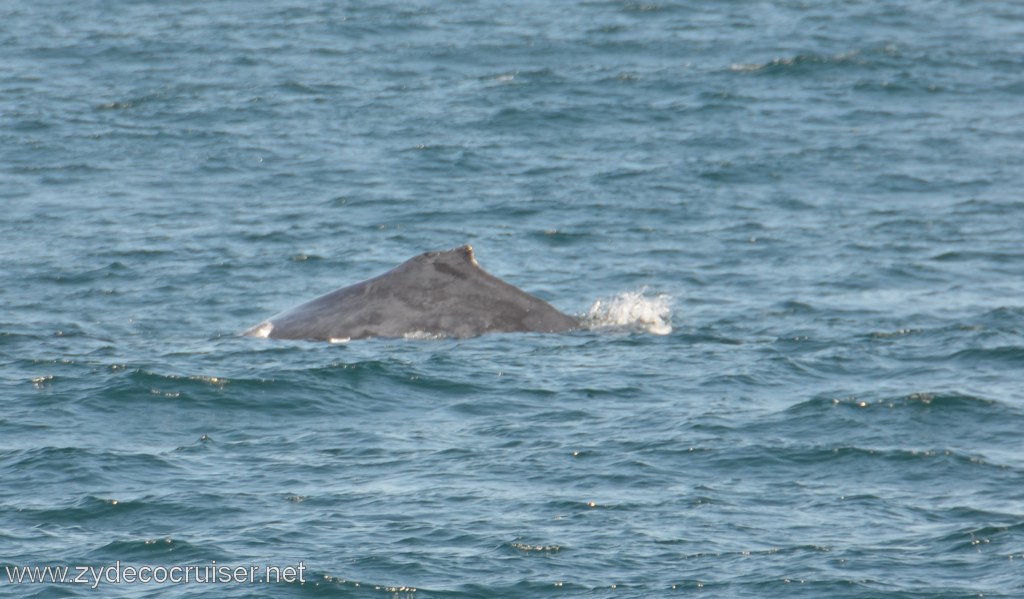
(631, 310)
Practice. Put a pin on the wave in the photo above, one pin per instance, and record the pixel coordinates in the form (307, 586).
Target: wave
(631, 311)
(942, 401)
(792, 63)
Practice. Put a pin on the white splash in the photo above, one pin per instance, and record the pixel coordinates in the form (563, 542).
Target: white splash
(262, 330)
(339, 340)
(632, 310)
(423, 335)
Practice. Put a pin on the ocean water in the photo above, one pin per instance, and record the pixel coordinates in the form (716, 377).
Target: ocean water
(803, 222)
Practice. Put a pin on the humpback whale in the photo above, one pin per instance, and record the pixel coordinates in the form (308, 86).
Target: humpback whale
(434, 294)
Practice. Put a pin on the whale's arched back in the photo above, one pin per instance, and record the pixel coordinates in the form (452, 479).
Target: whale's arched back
(436, 293)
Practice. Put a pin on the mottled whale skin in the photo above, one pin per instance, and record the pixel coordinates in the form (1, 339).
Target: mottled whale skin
(434, 294)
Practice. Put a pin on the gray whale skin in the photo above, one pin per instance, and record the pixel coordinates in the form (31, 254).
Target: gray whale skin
(434, 294)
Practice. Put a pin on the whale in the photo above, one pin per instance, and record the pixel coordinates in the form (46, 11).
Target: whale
(434, 294)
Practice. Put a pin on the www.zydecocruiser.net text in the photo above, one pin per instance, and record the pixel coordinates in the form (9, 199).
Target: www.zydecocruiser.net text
(118, 573)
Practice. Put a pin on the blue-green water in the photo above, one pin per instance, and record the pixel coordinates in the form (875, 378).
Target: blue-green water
(829, 192)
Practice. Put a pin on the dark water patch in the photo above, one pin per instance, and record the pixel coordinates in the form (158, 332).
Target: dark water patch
(60, 174)
(75, 465)
(858, 457)
(156, 550)
(986, 206)
(948, 405)
(52, 463)
(516, 119)
(800, 341)
(792, 307)
(998, 539)
(803, 65)
(708, 336)
(980, 257)
(14, 338)
(727, 172)
(86, 511)
(556, 237)
(420, 382)
(134, 384)
(302, 89)
(304, 257)
(624, 174)
(131, 103)
(1008, 355)
(30, 126)
(115, 270)
(894, 334)
(443, 159)
(839, 463)
(496, 403)
(1004, 320)
(905, 183)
